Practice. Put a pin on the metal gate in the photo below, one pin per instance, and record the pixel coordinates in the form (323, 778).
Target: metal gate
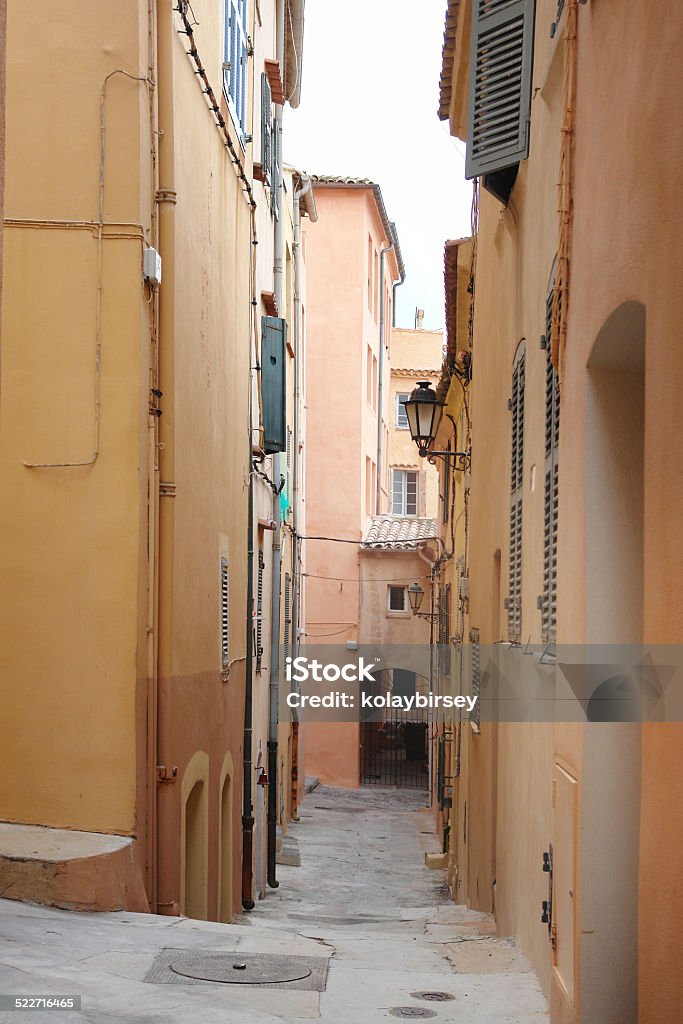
(393, 742)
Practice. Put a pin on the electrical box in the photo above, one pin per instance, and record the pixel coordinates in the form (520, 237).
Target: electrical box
(151, 266)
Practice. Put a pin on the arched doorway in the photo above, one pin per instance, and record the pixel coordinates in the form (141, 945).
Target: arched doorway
(611, 774)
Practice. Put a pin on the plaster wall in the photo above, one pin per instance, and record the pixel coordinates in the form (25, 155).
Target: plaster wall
(73, 539)
(341, 434)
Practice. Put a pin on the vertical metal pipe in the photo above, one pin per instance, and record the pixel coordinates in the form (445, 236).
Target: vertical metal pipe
(167, 896)
(380, 389)
(277, 511)
(247, 781)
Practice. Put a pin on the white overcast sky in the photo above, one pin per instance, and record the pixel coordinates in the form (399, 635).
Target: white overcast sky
(370, 92)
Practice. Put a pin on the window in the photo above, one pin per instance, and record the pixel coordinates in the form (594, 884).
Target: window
(374, 382)
(499, 104)
(396, 599)
(258, 630)
(551, 496)
(368, 485)
(235, 62)
(368, 376)
(401, 416)
(514, 601)
(447, 483)
(225, 615)
(376, 295)
(404, 492)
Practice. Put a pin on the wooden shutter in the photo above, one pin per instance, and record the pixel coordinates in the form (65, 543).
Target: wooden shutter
(273, 362)
(551, 494)
(514, 601)
(266, 128)
(288, 615)
(501, 64)
(475, 653)
(259, 613)
(225, 614)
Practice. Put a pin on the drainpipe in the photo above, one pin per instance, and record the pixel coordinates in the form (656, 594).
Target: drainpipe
(306, 187)
(277, 508)
(247, 804)
(382, 258)
(164, 795)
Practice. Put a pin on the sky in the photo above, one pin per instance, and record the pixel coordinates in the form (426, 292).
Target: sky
(369, 99)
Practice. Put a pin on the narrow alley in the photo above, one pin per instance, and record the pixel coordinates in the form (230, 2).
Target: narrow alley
(363, 917)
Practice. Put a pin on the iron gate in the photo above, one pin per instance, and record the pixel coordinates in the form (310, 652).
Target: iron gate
(393, 742)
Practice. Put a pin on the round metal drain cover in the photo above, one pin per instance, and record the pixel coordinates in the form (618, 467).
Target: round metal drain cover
(433, 997)
(411, 1011)
(231, 969)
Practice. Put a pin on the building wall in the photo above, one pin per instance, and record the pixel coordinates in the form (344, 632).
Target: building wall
(73, 539)
(597, 792)
(627, 234)
(341, 428)
(415, 355)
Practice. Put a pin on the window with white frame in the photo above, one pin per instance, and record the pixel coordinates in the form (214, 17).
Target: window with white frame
(404, 492)
(401, 415)
(397, 599)
(235, 62)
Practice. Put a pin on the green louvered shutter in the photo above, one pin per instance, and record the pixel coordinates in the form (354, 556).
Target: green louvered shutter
(501, 64)
(266, 128)
(273, 363)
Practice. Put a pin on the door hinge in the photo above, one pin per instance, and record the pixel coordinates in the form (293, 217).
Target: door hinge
(165, 774)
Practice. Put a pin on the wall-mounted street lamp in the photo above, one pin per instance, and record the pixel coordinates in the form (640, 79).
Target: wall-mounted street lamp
(415, 595)
(424, 412)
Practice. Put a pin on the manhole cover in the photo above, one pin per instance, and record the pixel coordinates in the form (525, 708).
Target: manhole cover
(433, 997)
(411, 1011)
(232, 969)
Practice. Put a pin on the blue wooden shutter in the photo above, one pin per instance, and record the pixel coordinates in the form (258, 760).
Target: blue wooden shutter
(273, 364)
(501, 65)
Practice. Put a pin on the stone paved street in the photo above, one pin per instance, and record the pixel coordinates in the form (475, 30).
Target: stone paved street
(362, 899)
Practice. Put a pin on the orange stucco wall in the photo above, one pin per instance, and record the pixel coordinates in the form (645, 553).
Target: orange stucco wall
(342, 324)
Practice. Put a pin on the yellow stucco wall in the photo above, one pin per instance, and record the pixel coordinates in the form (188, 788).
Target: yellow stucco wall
(71, 539)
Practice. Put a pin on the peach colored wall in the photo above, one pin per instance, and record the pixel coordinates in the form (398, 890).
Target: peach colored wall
(341, 433)
(626, 236)
(414, 355)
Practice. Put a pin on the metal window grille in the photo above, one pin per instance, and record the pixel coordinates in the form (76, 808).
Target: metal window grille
(514, 600)
(258, 630)
(501, 64)
(475, 713)
(225, 614)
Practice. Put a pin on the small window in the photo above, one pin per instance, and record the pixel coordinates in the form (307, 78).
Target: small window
(396, 601)
(404, 492)
(401, 416)
(225, 616)
(235, 63)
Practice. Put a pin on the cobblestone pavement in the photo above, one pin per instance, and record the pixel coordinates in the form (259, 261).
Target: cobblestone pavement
(362, 904)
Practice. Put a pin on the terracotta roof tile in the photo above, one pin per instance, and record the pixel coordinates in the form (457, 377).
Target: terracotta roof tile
(398, 533)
